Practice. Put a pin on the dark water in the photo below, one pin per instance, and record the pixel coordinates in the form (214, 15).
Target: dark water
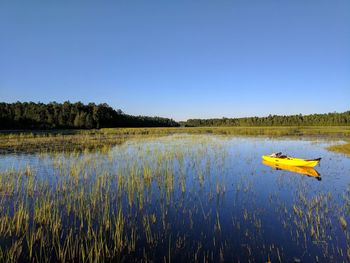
(186, 198)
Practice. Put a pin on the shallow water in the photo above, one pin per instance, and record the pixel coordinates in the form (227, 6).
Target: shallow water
(180, 198)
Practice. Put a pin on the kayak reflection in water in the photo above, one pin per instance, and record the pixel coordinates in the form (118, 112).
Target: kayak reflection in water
(309, 171)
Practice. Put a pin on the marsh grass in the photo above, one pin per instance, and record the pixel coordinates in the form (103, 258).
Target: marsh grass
(104, 139)
(167, 198)
(341, 148)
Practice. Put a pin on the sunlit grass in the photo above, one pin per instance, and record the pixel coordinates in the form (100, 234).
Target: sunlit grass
(341, 148)
(103, 139)
(167, 199)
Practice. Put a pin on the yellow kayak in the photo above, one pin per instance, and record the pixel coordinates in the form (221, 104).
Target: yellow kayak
(309, 171)
(291, 161)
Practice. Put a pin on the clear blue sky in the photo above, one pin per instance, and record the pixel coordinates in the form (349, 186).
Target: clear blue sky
(179, 59)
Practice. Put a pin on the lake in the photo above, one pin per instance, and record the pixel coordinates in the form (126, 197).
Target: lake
(176, 198)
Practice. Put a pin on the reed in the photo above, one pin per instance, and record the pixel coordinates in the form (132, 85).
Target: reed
(167, 198)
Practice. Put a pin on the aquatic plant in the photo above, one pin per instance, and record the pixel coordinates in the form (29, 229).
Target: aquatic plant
(168, 198)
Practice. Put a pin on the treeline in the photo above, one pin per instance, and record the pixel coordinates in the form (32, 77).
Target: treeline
(327, 119)
(30, 115)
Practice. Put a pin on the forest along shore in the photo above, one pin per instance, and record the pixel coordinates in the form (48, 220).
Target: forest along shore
(78, 125)
(67, 115)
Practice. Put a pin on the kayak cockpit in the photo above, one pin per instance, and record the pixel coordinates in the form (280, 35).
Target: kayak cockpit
(278, 155)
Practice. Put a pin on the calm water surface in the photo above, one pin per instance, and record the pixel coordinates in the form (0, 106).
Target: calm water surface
(188, 198)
